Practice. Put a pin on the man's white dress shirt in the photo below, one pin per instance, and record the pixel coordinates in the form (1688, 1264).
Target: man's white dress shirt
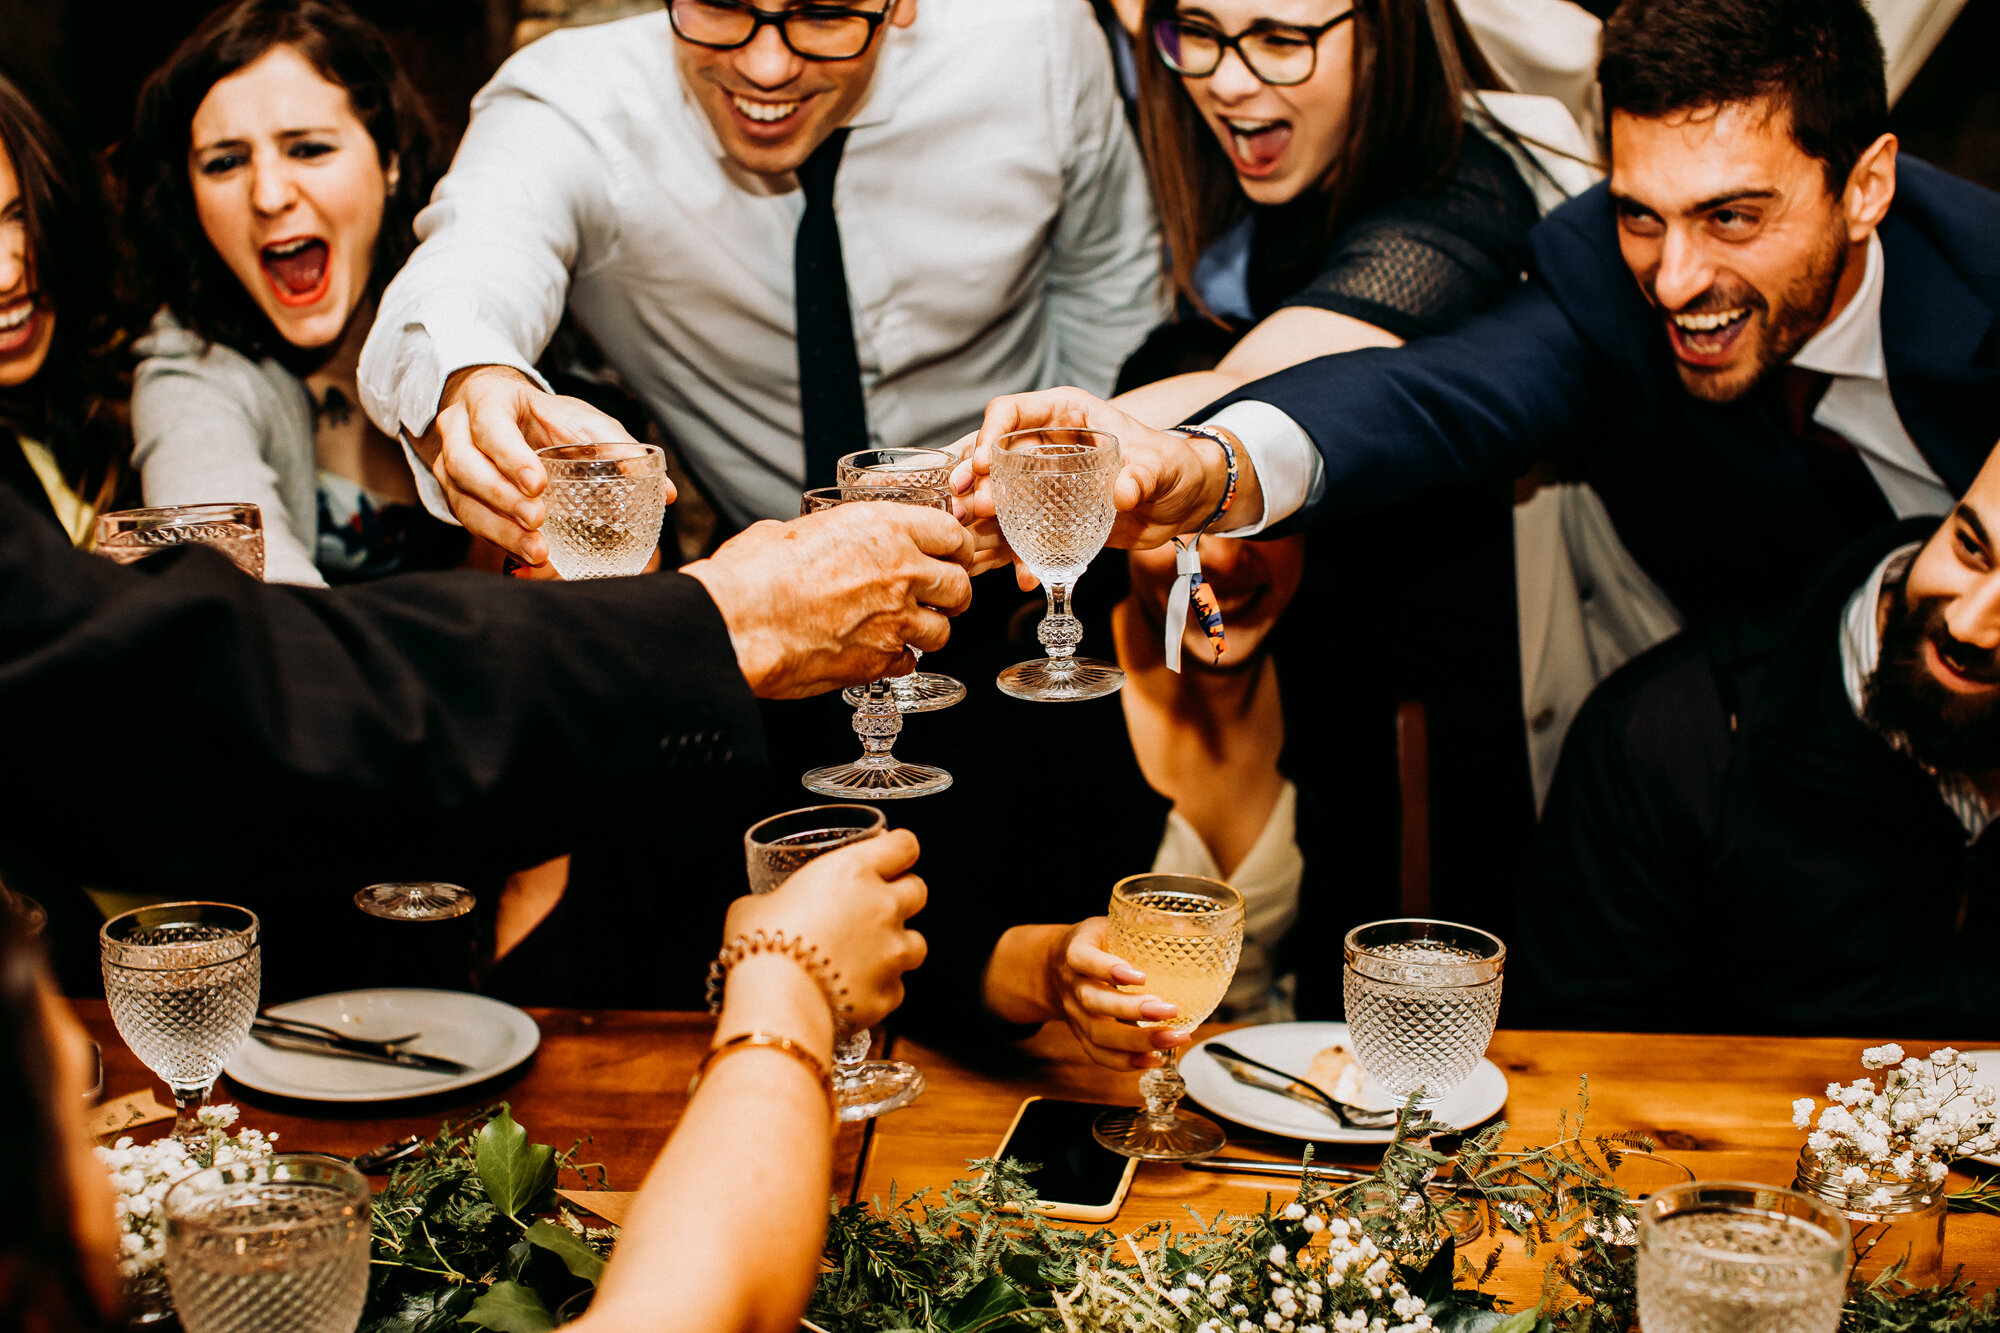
(1857, 406)
(995, 223)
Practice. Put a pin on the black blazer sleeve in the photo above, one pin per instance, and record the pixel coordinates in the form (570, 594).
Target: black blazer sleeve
(1540, 375)
(170, 719)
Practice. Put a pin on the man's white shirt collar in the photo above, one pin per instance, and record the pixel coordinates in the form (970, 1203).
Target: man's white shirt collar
(1851, 343)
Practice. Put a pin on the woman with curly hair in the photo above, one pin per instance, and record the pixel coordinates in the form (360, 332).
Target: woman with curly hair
(274, 172)
(63, 439)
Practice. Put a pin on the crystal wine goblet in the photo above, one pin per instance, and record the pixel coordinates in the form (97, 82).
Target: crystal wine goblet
(279, 1246)
(1185, 933)
(877, 774)
(182, 981)
(1422, 997)
(606, 503)
(1723, 1256)
(916, 691)
(236, 530)
(1052, 491)
(773, 849)
(415, 900)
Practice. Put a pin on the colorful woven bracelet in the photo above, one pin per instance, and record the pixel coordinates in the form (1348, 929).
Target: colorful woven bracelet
(1228, 443)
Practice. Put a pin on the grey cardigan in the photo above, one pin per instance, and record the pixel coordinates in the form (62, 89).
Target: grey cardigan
(211, 425)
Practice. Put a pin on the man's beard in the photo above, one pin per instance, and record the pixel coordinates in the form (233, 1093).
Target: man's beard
(1947, 732)
(1800, 311)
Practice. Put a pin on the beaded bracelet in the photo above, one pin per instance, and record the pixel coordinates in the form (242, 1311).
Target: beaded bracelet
(1191, 590)
(744, 1041)
(795, 948)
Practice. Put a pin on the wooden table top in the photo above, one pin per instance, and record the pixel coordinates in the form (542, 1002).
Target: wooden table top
(1722, 1106)
(617, 1077)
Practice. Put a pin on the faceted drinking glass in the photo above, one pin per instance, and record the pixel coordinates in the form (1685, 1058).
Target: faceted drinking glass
(773, 849)
(182, 981)
(929, 469)
(236, 530)
(1052, 491)
(278, 1247)
(1422, 998)
(606, 503)
(878, 775)
(1186, 934)
(1733, 1257)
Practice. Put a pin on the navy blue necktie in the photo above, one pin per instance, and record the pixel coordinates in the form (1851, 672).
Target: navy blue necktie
(834, 419)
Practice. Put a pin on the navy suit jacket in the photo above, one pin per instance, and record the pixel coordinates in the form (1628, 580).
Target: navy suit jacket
(1714, 500)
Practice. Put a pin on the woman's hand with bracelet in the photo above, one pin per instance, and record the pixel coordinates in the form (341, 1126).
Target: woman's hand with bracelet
(850, 905)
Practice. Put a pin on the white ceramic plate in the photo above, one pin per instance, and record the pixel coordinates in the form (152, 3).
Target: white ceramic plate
(1291, 1047)
(487, 1034)
(1986, 1066)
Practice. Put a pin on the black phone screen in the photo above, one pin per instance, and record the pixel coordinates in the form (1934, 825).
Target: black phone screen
(1075, 1168)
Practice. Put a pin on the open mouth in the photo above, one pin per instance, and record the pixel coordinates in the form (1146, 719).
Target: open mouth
(1708, 338)
(766, 116)
(299, 269)
(1256, 146)
(18, 325)
(1963, 677)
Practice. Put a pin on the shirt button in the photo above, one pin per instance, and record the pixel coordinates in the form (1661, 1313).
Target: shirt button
(1542, 720)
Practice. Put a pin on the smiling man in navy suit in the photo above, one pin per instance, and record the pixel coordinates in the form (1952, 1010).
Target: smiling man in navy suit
(1763, 336)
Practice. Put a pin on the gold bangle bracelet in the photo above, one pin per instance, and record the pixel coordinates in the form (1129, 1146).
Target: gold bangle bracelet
(744, 1041)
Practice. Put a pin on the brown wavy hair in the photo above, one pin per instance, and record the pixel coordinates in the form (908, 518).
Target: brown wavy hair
(75, 405)
(1414, 60)
(177, 266)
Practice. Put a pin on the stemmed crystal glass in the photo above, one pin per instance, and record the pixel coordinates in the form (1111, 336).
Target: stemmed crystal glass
(182, 981)
(415, 900)
(1052, 490)
(606, 503)
(773, 849)
(1185, 933)
(279, 1246)
(1719, 1256)
(236, 530)
(878, 720)
(930, 469)
(1422, 997)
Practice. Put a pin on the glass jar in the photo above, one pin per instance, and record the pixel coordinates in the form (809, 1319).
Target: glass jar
(1905, 1223)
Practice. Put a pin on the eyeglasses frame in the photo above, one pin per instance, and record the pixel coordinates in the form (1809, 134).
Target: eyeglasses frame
(1225, 43)
(778, 18)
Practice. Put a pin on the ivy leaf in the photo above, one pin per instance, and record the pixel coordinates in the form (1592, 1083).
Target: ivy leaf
(986, 1306)
(566, 1245)
(514, 1171)
(509, 1307)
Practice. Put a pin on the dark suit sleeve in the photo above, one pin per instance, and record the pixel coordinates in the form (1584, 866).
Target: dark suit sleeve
(171, 720)
(1485, 401)
(1614, 910)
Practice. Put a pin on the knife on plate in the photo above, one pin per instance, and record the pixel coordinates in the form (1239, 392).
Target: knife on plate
(338, 1046)
(1254, 1075)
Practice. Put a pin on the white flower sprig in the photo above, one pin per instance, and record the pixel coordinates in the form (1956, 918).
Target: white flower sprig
(141, 1175)
(1925, 1113)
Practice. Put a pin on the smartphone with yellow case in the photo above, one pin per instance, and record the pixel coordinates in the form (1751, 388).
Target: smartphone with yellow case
(1077, 1178)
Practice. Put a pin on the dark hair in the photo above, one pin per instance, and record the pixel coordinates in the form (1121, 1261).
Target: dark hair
(75, 404)
(1820, 60)
(41, 1275)
(177, 266)
(1414, 60)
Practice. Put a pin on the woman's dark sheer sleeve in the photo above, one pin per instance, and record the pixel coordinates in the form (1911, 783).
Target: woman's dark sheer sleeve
(1421, 264)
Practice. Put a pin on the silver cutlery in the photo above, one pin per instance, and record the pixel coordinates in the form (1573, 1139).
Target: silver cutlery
(303, 1028)
(1256, 1074)
(348, 1048)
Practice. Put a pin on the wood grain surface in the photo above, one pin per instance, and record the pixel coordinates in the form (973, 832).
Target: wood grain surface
(1720, 1105)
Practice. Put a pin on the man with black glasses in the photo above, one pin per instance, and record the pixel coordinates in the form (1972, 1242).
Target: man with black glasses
(671, 179)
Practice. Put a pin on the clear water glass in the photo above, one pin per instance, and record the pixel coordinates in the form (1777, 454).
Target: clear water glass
(1185, 933)
(182, 981)
(236, 530)
(1422, 997)
(878, 719)
(773, 849)
(606, 503)
(916, 691)
(278, 1247)
(1052, 490)
(416, 900)
(1733, 1256)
